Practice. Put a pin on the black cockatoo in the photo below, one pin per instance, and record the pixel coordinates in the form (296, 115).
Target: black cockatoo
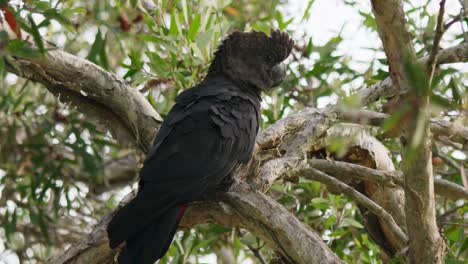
(210, 131)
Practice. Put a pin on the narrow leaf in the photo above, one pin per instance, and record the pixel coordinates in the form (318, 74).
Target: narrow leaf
(194, 27)
(95, 48)
(36, 36)
(174, 28)
(306, 11)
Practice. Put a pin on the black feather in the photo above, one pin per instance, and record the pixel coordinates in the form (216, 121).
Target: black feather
(210, 130)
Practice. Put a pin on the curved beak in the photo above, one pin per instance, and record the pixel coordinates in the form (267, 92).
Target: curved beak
(278, 73)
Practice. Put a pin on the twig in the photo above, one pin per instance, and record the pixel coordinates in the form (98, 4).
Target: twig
(255, 251)
(432, 61)
(454, 20)
(154, 82)
(452, 223)
(450, 212)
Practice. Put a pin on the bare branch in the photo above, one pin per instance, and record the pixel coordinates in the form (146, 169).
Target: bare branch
(432, 61)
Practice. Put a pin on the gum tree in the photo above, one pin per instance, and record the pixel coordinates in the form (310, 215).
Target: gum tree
(376, 177)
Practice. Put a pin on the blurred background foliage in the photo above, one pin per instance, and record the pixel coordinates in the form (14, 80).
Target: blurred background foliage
(52, 159)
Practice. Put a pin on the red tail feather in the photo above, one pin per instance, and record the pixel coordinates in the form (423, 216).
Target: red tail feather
(181, 212)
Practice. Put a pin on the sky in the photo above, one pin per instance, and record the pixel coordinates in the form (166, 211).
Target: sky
(327, 17)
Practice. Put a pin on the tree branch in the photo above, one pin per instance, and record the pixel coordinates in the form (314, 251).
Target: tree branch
(242, 207)
(432, 61)
(454, 132)
(425, 244)
(386, 88)
(105, 98)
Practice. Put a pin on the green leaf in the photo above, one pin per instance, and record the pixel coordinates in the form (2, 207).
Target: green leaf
(305, 15)
(41, 5)
(351, 222)
(103, 54)
(454, 87)
(6, 225)
(150, 38)
(369, 20)
(36, 36)
(331, 221)
(395, 119)
(203, 243)
(204, 38)
(464, 247)
(174, 28)
(219, 229)
(2, 66)
(76, 10)
(338, 233)
(304, 180)
(287, 199)
(130, 73)
(443, 101)
(185, 10)
(453, 261)
(96, 47)
(309, 47)
(43, 227)
(248, 239)
(60, 17)
(320, 203)
(194, 27)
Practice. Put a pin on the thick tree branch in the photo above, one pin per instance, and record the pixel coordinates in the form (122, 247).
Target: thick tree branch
(242, 207)
(105, 98)
(426, 244)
